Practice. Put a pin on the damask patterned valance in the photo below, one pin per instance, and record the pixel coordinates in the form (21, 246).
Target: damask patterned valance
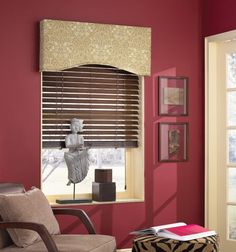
(65, 44)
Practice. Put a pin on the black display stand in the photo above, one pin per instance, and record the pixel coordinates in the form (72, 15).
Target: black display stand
(74, 200)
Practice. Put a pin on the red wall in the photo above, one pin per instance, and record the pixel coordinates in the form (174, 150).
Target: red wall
(219, 16)
(174, 191)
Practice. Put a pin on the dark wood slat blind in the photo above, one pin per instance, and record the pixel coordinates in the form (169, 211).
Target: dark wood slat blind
(106, 98)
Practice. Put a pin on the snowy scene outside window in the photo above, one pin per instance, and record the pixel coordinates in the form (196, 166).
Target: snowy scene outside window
(54, 170)
(231, 139)
(231, 70)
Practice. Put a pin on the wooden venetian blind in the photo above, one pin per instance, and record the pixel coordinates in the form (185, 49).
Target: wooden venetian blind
(106, 98)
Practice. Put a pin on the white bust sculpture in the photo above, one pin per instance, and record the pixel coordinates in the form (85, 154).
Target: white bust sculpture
(77, 156)
(74, 140)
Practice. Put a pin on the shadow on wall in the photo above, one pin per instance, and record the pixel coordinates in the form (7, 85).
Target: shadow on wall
(165, 191)
(105, 213)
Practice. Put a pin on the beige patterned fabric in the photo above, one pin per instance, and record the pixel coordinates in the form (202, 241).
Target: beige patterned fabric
(65, 44)
(73, 243)
(158, 244)
(31, 206)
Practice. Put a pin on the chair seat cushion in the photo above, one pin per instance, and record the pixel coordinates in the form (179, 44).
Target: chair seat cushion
(73, 243)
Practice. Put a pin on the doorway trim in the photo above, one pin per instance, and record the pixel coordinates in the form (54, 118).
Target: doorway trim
(211, 132)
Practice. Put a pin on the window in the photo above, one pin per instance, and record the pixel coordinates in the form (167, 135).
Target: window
(108, 100)
(55, 170)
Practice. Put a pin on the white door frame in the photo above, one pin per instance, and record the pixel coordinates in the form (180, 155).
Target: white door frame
(212, 176)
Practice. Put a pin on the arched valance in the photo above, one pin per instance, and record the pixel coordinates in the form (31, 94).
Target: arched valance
(65, 44)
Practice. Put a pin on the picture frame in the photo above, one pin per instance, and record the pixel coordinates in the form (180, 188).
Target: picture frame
(173, 95)
(173, 142)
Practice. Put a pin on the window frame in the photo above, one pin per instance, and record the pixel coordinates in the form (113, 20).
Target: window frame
(135, 183)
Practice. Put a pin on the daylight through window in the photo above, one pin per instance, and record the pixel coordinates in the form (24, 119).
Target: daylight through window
(108, 100)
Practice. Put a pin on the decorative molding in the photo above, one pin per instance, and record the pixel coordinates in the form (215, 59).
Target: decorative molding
(65, 44)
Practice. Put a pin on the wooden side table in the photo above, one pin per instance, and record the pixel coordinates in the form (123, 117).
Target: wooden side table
(154, 243)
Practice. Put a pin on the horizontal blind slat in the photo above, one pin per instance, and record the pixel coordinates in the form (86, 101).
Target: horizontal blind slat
(102, 132)
(105, 137)
(82, 106)
(56, 100)
(90, 144)
(90, 75)
(91, 85)
(89, 91)
(89, 111)
(93, 127)
(90, 116)
(91, 96)
(91, 121)
(78, 80)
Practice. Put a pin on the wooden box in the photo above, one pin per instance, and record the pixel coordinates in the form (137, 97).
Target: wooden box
(103, 175)
(104, 191)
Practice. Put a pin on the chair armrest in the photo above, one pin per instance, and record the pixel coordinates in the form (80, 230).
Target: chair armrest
(39, 228)
(78, 213)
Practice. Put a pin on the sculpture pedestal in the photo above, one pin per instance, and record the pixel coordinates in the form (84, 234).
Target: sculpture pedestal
(104, 191)
(74, 200)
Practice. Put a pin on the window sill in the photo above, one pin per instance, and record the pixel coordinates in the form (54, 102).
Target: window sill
(124, 250)
(100, 202)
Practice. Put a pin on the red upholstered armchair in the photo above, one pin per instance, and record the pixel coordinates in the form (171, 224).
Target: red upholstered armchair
(43, 235)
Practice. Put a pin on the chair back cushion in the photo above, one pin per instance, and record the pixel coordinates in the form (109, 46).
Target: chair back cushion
(5, 239)
(31, 206)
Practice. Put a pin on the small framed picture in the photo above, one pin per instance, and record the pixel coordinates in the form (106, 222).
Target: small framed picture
(173, 139)
(173, 96)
